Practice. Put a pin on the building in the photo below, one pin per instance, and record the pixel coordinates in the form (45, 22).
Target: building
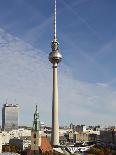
(71, 137)
(10, 117)
(63, 140)
(85, 137)
(0, 142)
(108, 136)
(39, 144)
(45, 147)
(17, 134)
(72, 127)
(55, 57)
(21, 144)
(80, 128)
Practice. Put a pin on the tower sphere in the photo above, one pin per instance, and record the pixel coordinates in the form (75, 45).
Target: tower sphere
(55, 56)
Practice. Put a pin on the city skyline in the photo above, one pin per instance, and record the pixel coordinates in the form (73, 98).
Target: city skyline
(87, 75)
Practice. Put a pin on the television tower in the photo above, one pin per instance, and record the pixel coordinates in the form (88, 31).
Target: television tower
(55, 57)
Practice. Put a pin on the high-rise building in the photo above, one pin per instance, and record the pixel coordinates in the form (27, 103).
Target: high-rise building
(10, 117)
(55, 57)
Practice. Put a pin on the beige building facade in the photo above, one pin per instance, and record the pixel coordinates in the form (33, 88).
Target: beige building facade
(85, 137)
(0, 142)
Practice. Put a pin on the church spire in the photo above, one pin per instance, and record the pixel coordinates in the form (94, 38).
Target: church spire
(36, 134)
(36, 122)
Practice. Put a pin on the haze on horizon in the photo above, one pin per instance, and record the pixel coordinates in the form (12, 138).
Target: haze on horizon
(87, 74)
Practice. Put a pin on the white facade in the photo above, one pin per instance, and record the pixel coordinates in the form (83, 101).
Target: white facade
(0, 142)
(93, 132)
(26, 143)
(62, 132)
(84, 128)
(24, 132)
(5, 137)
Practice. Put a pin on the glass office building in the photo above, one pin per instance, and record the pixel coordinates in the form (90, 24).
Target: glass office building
(10, 117)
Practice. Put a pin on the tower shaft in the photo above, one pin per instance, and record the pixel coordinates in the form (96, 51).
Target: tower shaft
(55, 121)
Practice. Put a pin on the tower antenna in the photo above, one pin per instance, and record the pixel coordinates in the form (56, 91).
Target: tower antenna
(55, 38)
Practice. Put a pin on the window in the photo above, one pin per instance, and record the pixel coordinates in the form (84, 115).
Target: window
(34, 136)
(34, 142)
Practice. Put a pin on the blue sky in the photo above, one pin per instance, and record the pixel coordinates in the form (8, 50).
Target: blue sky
(87, 37)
